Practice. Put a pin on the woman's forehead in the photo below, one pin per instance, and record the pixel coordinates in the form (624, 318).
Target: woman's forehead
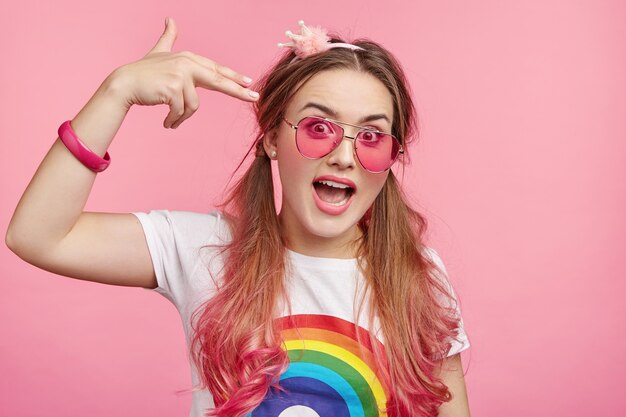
(343, 94)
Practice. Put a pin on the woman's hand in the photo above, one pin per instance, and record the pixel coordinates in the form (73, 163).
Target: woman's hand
(166, 77)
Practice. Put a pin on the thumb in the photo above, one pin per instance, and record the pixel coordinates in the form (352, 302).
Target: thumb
(167, 39)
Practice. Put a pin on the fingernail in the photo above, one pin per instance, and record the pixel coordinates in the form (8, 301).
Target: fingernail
(253, 94)
(247, 79)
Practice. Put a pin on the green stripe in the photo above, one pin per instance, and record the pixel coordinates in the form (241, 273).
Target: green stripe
(347, 372)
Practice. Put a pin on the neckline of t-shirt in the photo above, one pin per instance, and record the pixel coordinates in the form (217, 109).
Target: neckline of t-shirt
(324, 263)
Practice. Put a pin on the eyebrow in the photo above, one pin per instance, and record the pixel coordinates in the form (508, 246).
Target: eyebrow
(333, 113)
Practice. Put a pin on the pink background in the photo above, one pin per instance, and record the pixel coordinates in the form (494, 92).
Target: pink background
(520, 169)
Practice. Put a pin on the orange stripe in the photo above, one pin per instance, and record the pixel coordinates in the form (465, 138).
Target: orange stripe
(337, 339)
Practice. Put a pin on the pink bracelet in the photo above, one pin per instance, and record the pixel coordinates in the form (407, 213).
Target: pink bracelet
(85, 155)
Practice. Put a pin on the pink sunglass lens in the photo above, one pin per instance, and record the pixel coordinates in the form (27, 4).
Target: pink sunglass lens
(316, 137)
(377, 151)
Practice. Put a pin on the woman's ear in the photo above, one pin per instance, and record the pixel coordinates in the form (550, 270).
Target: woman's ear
(269, 143)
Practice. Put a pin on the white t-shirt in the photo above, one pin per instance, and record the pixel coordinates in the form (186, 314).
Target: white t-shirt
(329, 373)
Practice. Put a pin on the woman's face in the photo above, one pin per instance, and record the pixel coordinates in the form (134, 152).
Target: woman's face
(313, 218)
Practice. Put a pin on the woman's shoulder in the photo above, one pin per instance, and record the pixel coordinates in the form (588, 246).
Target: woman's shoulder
(432, 254)
(211, 217)
(189, 224)
(441, 273)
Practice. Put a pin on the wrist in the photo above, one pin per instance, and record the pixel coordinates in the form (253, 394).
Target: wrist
(114, 88)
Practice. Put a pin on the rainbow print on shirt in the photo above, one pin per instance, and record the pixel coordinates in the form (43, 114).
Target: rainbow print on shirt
(329, 375)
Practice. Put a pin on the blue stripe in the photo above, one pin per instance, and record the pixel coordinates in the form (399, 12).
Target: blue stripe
(331, 378)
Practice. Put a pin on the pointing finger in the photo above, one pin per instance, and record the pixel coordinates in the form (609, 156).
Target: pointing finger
(221, 69)
(215, 81)
(232, 74)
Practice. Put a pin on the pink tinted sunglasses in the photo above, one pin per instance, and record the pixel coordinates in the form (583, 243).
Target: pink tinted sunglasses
(316, 137)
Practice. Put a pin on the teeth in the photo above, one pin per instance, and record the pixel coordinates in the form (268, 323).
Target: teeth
(334, 184)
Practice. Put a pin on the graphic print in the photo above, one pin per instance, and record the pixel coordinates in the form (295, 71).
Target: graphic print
(330, 374)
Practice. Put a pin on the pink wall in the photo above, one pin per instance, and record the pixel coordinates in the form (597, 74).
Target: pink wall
(520, 169)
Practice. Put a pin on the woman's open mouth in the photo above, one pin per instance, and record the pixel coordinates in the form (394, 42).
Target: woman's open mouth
(332, 197)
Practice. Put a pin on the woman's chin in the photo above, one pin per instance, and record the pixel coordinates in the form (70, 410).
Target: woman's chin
(309, 222)
(334, 228)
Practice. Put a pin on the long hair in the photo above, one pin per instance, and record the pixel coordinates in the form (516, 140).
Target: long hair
(236, 345)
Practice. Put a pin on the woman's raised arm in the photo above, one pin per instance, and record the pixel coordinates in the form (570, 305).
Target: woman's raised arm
(49, 228)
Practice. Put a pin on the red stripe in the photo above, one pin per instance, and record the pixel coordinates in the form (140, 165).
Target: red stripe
(332, 323)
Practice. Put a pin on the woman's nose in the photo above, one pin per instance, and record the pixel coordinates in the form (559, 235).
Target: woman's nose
(344, 154)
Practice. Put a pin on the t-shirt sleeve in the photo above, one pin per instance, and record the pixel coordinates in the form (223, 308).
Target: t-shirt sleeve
(463, 342)
(174, 240)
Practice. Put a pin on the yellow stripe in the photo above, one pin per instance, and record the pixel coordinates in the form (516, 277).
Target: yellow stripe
(346, 356)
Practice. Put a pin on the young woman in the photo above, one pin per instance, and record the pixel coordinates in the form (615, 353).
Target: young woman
(330, 306)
